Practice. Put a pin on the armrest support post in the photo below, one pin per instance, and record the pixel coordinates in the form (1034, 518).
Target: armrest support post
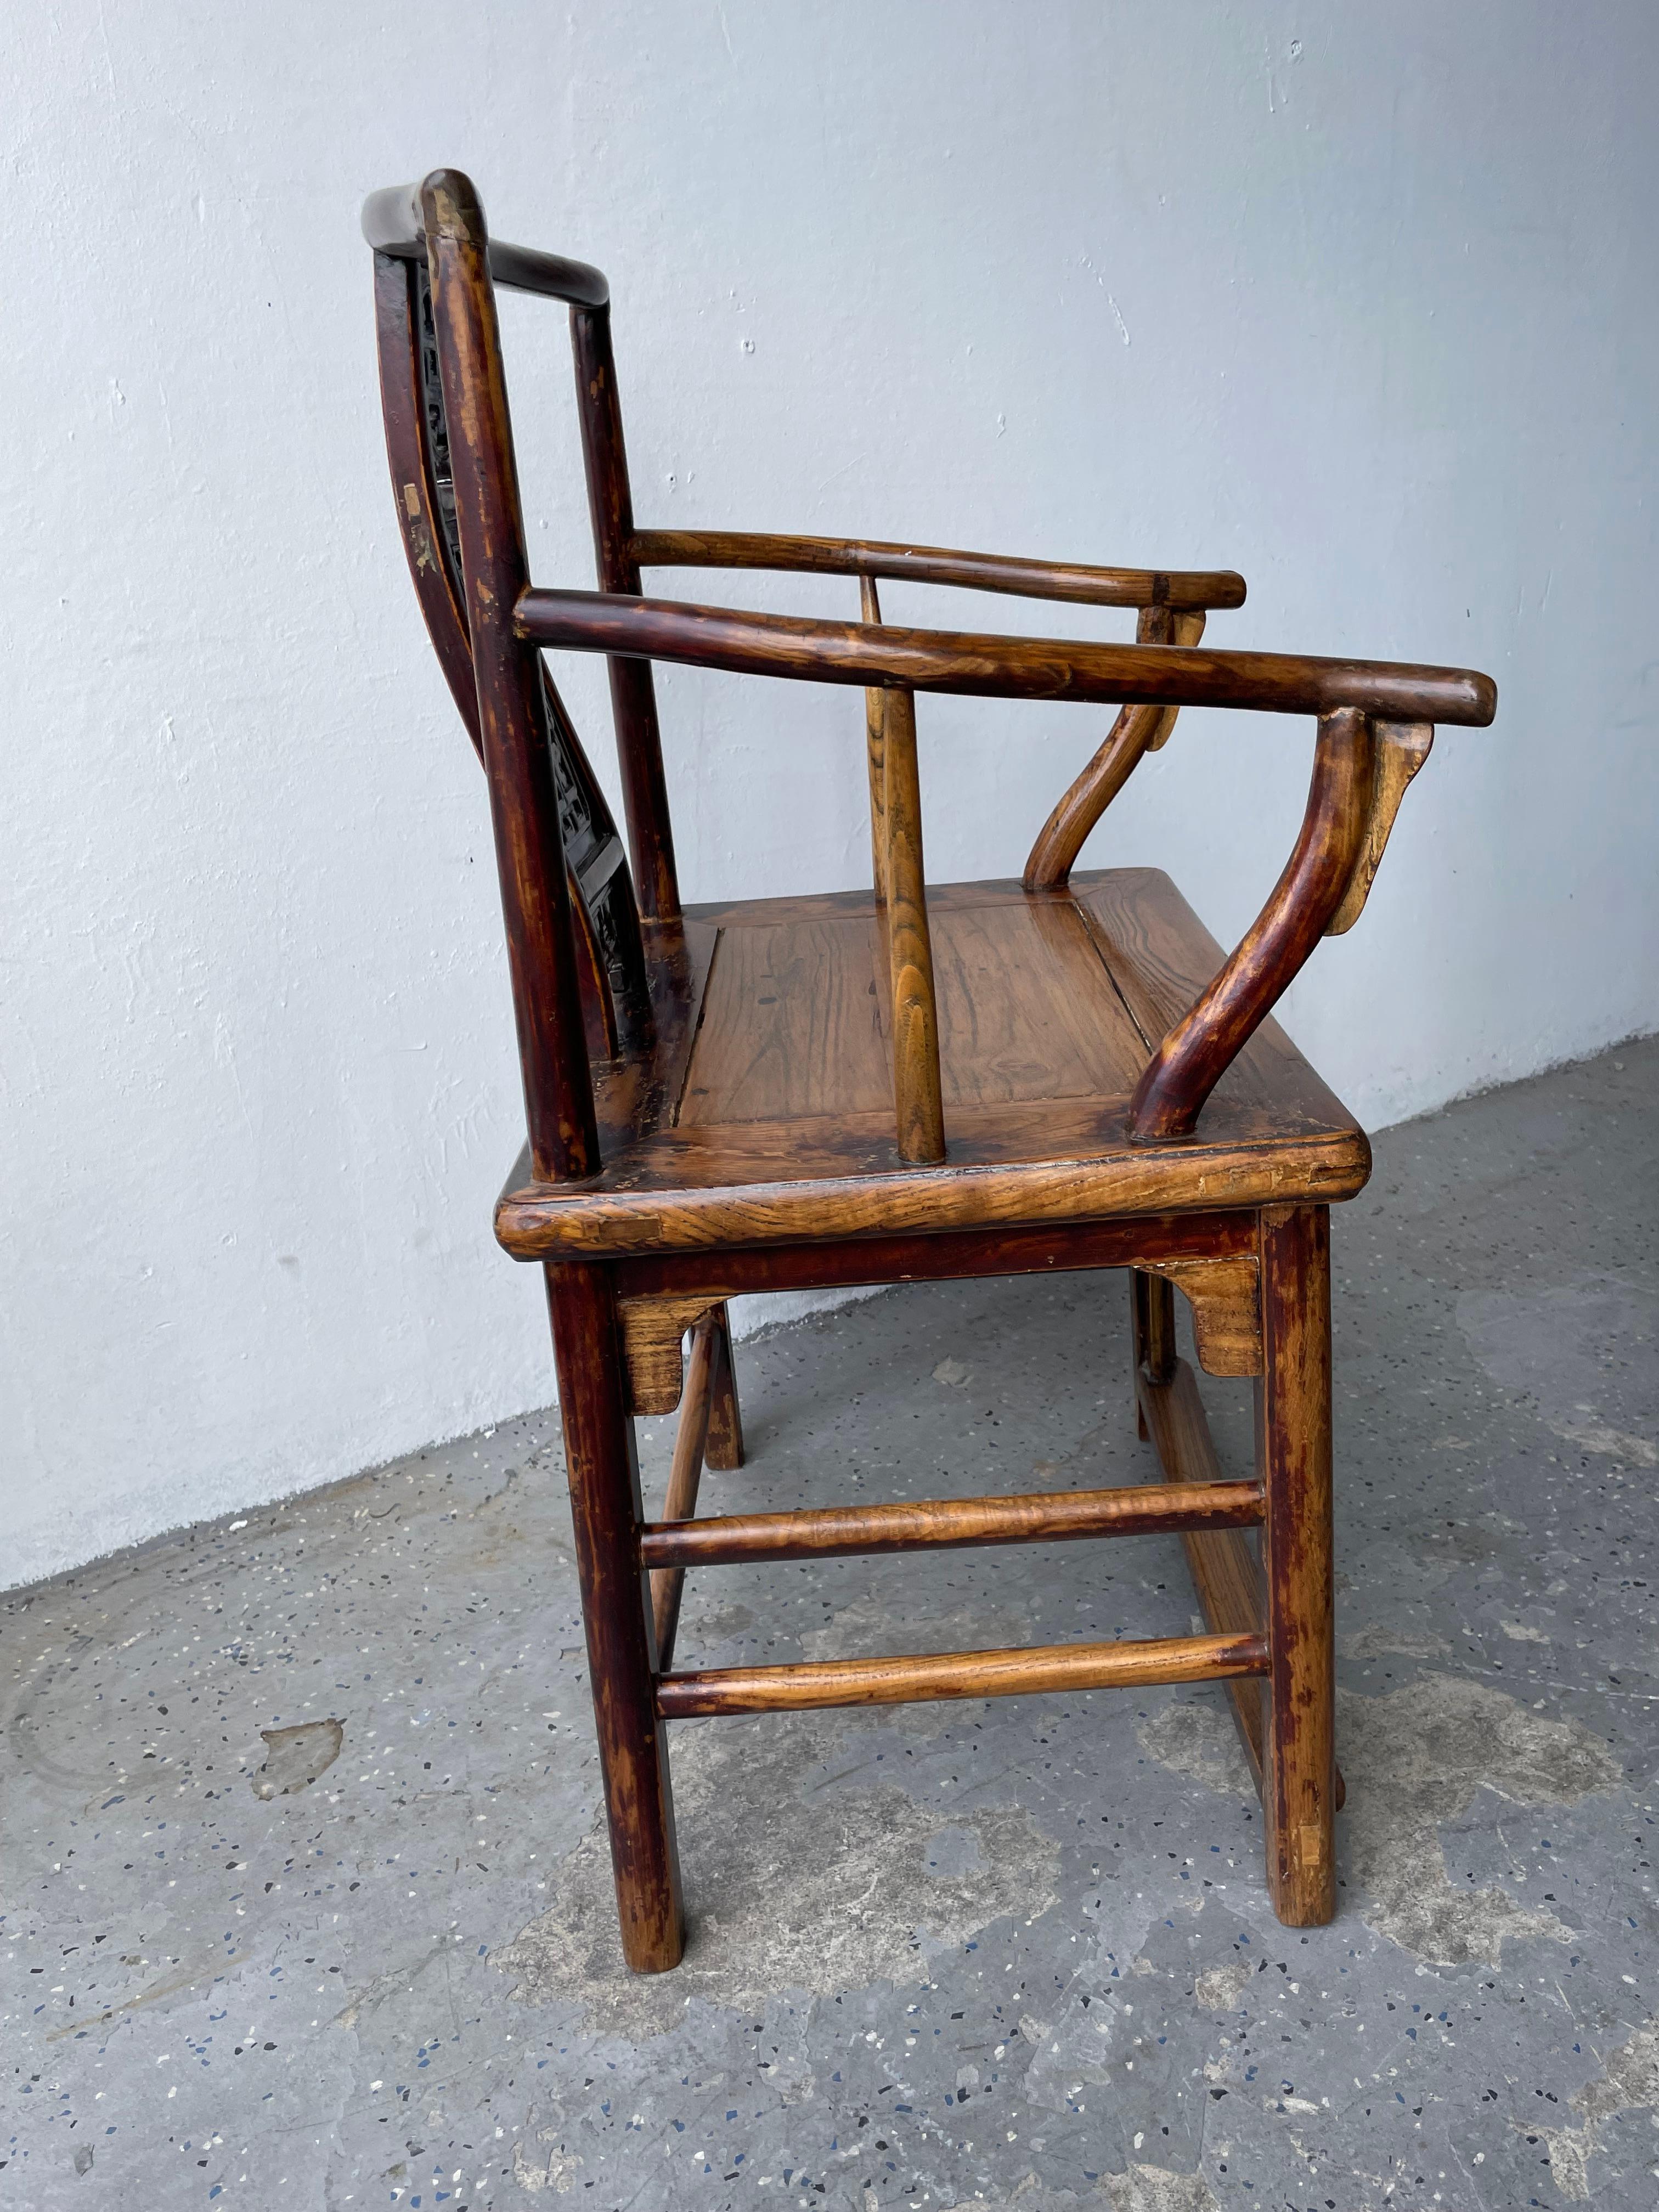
(916, 1092)
(875, 735)
(1203, 1044)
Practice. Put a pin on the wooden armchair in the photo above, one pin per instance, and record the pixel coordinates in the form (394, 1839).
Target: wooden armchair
(874, 1087)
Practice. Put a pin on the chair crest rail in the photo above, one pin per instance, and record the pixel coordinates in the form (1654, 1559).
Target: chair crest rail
(394, 222)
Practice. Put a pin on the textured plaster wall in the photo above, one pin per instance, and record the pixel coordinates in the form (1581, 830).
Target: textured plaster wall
(1360, 301)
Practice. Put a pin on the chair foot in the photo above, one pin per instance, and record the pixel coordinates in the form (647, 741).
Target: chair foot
(1293, 1451)
(606, 1515)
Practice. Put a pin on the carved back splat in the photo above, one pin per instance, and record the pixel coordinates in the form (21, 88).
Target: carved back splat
(616, 998)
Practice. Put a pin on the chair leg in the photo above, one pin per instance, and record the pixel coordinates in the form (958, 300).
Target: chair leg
(605, 1513)
(724, 1450)
(1151, 1313)
(1293, 1448)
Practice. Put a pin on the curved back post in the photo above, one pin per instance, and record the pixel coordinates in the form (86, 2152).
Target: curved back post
(616, 996)
(392, 222)
(524, 802)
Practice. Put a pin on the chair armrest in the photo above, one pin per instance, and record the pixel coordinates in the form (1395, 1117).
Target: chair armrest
(1374, 717)
(997, 667)
(938, 564)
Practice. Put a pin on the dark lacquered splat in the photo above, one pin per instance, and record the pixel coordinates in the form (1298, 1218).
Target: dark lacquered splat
(616, 996)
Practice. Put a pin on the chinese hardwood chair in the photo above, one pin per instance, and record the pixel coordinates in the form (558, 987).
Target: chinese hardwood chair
(795, 1093)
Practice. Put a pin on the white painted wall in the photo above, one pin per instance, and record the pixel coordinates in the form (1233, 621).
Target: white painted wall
(1359, 300)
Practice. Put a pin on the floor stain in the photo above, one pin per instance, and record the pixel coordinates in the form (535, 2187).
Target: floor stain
(1564, 1348)
(1151, 2189)
(1628, 2083)
(1413, 1760)
(1195, 1737)
(295, 1756)
(825, 1896)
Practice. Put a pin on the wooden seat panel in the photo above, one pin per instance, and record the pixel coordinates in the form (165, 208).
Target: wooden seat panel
(768, 1117)
(796, 1023)
(1027, 1007)
(792, 1024)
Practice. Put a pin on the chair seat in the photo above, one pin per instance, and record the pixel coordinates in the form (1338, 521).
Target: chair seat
(766, 1112)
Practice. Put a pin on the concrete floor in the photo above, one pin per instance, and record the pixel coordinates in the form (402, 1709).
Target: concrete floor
(302, 1807)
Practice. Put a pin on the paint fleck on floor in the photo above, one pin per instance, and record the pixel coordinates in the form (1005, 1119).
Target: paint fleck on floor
(305, 1889)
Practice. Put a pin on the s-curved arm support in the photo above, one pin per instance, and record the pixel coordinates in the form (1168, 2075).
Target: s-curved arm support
(1201, 1046)
(1137, 730)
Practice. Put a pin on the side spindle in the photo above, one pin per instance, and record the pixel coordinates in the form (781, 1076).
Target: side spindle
(916, 1093)
(875, 732)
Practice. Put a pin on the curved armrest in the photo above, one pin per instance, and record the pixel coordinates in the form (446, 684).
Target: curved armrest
(938, 564)
(1374, 717)
(997, 667)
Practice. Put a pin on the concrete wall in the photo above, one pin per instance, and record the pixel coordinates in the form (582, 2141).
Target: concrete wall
(1359, 300)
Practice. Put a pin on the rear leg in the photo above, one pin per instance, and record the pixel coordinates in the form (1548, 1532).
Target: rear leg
(723, 1449)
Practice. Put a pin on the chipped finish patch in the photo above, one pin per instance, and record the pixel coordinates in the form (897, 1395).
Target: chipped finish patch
(295, 1756)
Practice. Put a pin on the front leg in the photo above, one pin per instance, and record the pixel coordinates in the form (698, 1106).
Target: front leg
(605, 1514)
(1293, 1457)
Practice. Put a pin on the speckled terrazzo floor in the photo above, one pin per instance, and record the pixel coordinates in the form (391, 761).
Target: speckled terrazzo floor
(305, 1904)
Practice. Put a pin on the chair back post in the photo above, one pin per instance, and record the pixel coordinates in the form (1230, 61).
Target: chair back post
(523, 798)
(633, 692)
(616, 1000)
